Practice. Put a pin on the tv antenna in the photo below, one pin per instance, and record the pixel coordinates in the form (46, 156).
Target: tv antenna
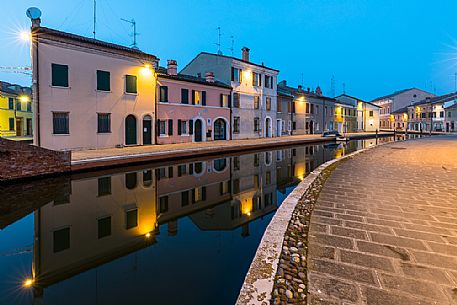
(132, 22)
(344, 88)
(95, 15)
(218, 44)
(332, 86)
(233, 45)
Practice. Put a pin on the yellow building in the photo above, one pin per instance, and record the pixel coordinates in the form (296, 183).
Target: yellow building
(15, 111)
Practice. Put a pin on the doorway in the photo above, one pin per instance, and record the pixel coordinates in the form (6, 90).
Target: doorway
(130, 130)
(19, 127)
(278, 127)
(220, 128)
(29, 127)
(147, 130)
(311, 127)
(268, 127)
(198, 131)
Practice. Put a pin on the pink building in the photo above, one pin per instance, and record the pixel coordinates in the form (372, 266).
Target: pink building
(191, 109)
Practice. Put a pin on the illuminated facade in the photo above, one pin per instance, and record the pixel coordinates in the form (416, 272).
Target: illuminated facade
(367, 114)
(254, 93)
(191, 109)
(400, 118)
(15, 111)
(395, 101)
(451, 118)
(90, 94)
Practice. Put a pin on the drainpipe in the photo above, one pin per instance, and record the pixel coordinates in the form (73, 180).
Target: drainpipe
(36, 86)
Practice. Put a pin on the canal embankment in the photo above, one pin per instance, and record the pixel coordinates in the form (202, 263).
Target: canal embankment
(378, 228)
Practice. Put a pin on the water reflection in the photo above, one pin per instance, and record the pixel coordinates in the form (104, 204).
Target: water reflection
(135, 235)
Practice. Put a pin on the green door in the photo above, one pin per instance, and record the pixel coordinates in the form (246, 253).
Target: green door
(130, 130)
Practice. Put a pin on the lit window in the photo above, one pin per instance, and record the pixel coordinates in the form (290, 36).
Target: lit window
(223, 100)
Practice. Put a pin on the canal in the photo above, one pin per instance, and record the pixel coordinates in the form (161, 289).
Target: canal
(177, 233)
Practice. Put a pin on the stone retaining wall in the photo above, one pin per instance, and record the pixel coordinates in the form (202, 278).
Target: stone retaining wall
(19, 160)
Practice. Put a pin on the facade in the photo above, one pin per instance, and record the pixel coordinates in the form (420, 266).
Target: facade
(90, 94)
(451, 118)
(312, 113)
(395, 101)
(367, 113)
(191, 109)
(429, 114)
(254, 93)
(15, 111)
(400, 118)
(285, 113)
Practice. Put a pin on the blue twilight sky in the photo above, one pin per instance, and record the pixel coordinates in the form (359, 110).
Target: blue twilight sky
(372, 47)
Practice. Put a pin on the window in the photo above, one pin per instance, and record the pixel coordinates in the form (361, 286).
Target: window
(18, 105)
(131, 180)
(224, 187)
(104, 227)
(182, 170)
(312, 108)
(203, 98)
(130, 84)
(306, 107)
(268, 177)
(11, 123)
(256, 102)
(256, 124)
(294, 125)
(170, 127)
(184, 96)
(236, 186)
(256, 160)
(236, 124)
(224, 100)
(279, 107)
(60, 122)
(184, 198)
(236, 100)
(147, 178)
(182, 127)
(29, 106)
(104, 186)
(256, 181)
(103, 122)
(268, 103)
(162, 128)
(236, 163)
(59, 75)
(199, 194)
(442, 114)
(268, 81)
(163, 204)
(371, 113)
(163, 94)
(11, 103)
(103, 81)
(423, 115)
(256, 79)
(61, 240)
(131, 219)
(236, 75)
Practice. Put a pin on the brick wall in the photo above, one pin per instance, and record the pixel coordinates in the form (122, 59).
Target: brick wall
(22, 160)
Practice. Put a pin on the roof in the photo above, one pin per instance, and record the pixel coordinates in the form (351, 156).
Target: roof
(8, 88)
(162, 72)
(297, 91)
(43, 32)
(401, 110)
(347, 95)
(453, 106)
(438, 99)
(233, 58)
(283, 92)
(395, 93)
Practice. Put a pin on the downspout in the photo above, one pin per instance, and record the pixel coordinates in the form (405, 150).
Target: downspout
(36, 78)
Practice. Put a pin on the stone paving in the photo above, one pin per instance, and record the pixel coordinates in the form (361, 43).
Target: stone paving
(384, 228)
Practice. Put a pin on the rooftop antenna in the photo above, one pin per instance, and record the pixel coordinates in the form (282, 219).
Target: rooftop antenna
(95, 15)
(455, 82)
(233, 45)
(344, 88)
(302, 78)
(134, 34)
(218, 44)
(332, 86)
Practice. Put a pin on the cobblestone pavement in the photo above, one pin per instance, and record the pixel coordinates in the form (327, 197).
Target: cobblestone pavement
(79, 155)
(384, 229)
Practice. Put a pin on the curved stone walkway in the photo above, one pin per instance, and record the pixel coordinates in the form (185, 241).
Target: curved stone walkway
(384, 228)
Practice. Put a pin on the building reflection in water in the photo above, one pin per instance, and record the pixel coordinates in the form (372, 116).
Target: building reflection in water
(99, 217)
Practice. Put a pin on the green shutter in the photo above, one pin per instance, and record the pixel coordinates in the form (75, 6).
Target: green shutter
(184, 96)
(179, 127)
(170, 127)
(193, 97)
(131, 84)
(59, 75)
(204, 98)
(103, 81)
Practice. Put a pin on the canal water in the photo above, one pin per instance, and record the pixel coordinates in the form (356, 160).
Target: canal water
(171, 233)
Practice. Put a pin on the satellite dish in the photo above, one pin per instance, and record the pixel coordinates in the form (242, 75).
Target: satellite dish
(33, 13)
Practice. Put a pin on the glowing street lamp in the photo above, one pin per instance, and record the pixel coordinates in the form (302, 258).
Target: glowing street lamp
(27, 283)
(25, 36)
(24, 98)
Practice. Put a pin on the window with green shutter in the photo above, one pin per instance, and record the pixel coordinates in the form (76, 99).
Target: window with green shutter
(204, 98)
(60, 122)
(130, 84)
(131, 219)
(104, 227)
(59, 75)
(163, 94)
(184, 96)
(103, 81)
(103, 122)
(11, 121)
(11, 103)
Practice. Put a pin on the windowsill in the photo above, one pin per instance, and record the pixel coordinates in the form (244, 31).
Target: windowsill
(184, 135)
(60, 87)
(130, 93)
(163, 136)
(60, 134)
(103, 91)
(102, 133)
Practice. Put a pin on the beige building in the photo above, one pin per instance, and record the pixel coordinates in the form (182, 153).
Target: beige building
(90, 94)
(367, 114)
(451, 118)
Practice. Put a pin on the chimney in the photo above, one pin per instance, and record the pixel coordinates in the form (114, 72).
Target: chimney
(36, 23)
(245, 53)
(172, 67)
(209, 77)
(300, 87)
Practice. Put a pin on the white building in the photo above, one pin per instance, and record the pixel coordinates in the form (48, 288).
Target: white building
(254, 94)
(90, 94)
(367, 113)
